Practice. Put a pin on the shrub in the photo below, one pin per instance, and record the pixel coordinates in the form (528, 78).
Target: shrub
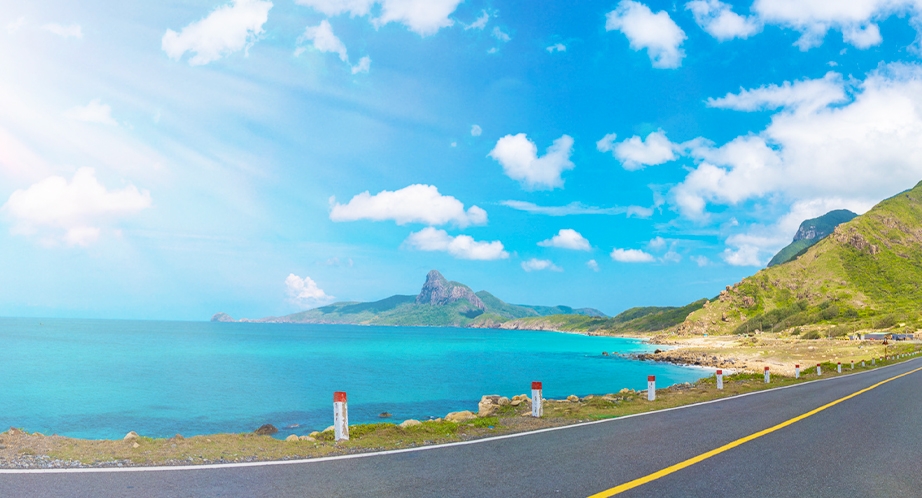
(796, 331)
(811, 335)
(885, 322)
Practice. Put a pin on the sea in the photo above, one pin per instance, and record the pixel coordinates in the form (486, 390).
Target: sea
(99, 379)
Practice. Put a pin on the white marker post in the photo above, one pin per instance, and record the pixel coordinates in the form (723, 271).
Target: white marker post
(853, 364)
(839, 367)
(651, 387)
(340, 416)
(873, 361)
(796, 371)
(819, 371)
(862, 363)
(767, 376)
(720, 379)
(537, 408)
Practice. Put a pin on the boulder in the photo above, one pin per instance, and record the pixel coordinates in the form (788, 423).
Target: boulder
(131, 436)
(460, 416)
(488, 405)
(503, 401)
(178, 437)
(385, 414)
(292, 438)
(314, 434)
(409, 423)
(329, 429)
(306, 438)
(266, 430)
(135, 445)
(573, 398)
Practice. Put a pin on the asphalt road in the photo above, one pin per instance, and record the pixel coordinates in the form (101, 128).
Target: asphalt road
(870, 445)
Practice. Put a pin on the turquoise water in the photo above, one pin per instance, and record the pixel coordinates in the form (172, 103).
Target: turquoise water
(103, 378)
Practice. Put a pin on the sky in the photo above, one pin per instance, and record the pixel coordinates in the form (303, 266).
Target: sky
(171, 160)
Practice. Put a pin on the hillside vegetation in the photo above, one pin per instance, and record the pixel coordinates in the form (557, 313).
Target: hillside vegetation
(643, 319)
(866, 275)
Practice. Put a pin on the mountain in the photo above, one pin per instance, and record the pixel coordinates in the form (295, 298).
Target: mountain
(440, 302)
(810, 232)
(643, 319)
(867, 274)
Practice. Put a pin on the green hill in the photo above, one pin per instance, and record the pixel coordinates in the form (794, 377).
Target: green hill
(645, 319)
(866, 274)
(810, 232)
(440, 303)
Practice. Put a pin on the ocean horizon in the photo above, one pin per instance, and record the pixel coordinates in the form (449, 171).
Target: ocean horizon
(99, 379)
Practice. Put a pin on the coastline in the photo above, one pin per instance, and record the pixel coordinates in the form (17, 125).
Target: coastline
(495, 416)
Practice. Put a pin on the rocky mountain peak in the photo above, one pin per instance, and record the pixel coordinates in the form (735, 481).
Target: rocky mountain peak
(438, 291)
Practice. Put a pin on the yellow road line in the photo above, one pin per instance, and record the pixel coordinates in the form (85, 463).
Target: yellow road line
(704, 456)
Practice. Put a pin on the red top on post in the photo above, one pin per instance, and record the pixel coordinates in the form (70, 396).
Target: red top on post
(796, 366)
(817, 364)
(720, 372)
(339, 397)
(651, 378)
(766, 369)
(536, 385)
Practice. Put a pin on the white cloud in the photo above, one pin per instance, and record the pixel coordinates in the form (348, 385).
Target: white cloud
(480, 23)
(227, 29)
(567, 238)
(363, 66)
(323, 40)
(476, 131)
(657, 33)
(94, 112)
(424, 17)
(636, 153)
(744, 255)
(719, 20)
(804, 95)
(657, 243)
(412, 204)
(535, 264)
(557, 47)
(14, 26)
(519, 158)
(860, 151)
(700, 260)
(578, 208)
(813, 18)
(305, 292)
(631, 256)
(592, 265)
(461, 247)
(69, 31)
(72, 212)
(499, 35)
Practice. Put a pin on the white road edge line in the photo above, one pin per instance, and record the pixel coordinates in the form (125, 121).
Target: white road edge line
(421, 448)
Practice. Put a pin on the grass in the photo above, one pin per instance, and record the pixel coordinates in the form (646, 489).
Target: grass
(221, 448)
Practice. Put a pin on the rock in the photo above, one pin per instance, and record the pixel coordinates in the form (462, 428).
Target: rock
(329, 429)
(460, 416)
(438, 291)
(306, 438)
(658, 351)
(266, 430)
(292, 438)
(222, 317)
(177, 437)
(515, 402)
(409, 423)
(573, 398)
(488, 405)
(604, 353)
(314, 434)
(624, 391)
(292, 426)
(135, 445)
(130, 436)
(503, 401)
(384, 415)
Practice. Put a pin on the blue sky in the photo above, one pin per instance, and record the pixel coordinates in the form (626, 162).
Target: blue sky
(172, 160)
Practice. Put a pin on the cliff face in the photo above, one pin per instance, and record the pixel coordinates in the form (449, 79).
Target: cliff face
(810, 232)
(438, 291)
